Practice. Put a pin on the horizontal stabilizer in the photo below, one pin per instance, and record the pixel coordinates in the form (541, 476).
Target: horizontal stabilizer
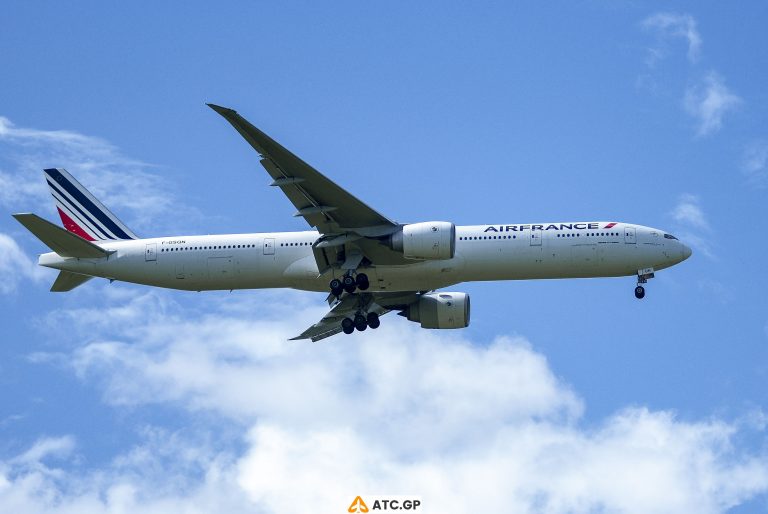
(61, 241)
(67, 281)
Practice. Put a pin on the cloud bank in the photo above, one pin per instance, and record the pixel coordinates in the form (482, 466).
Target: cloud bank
(467, 425)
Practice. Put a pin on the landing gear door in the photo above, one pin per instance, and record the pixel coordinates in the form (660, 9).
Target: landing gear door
(150, 254)
(630, 236)
(269, 246)
(536, 237)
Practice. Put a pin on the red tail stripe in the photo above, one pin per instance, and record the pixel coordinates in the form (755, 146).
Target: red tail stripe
(73, 227)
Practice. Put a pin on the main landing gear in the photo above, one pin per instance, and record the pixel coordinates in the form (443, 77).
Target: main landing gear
(360, 322)
(349, 284)
(642, 277)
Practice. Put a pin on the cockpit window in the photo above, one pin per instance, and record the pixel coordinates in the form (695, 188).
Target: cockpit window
(669, 236)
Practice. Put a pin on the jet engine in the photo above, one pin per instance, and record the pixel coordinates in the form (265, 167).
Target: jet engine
(431, 240)
(440, 310)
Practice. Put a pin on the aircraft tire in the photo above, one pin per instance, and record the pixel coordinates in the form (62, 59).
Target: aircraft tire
(639, 292)
(349, 284)
(361, 323)
(362, 282)
(347, 326)
(373, 320)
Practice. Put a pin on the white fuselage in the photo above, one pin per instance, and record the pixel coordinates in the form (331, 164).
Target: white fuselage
(285, 259)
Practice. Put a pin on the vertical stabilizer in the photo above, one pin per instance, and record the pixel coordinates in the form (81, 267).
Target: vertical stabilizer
(81, 212)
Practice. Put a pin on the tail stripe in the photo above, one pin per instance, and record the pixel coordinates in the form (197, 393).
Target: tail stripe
(73, 227)
(98, 217)
(65, 203)
(88, 205)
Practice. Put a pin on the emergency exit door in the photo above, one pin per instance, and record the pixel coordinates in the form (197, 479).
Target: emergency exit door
(150, 254)
(630, 237)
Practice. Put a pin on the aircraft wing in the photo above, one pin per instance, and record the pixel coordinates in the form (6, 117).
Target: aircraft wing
(321, 202)
(347, 307)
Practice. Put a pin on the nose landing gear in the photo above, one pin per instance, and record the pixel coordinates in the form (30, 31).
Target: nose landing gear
(642, 277)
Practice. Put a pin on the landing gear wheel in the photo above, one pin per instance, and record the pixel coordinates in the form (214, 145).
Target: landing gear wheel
(336, 287)
(362, 281)
(373, 320)
(639, 292)
(349, 284)
(347, 325)
(361, 323)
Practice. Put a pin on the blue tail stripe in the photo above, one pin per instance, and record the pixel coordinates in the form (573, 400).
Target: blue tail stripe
(86, 203)
(92, 224)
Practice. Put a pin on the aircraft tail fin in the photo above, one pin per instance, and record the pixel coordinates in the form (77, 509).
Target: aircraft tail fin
(81, 212)
(64, 243)
(67, 281)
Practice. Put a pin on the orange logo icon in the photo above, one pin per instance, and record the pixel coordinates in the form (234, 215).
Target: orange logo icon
(358, 506)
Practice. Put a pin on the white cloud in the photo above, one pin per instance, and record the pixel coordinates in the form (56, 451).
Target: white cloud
(671, 25)
(755, 163)
(688, 212)
(47, 447)
(692, 226)
(16, 266)
(708, 102)
(469, 426)
(123, 184)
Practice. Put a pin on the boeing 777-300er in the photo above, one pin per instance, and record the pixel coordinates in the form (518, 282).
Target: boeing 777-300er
(368, 264)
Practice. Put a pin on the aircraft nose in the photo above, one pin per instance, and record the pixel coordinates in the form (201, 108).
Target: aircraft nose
(685, 251)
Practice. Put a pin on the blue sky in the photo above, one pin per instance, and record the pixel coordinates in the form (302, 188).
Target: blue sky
(563, 396)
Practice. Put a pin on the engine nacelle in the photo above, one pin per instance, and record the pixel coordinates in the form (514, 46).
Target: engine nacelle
(440, 310)
(431, 240)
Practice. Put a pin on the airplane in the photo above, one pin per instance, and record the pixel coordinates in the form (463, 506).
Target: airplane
(367, 263)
